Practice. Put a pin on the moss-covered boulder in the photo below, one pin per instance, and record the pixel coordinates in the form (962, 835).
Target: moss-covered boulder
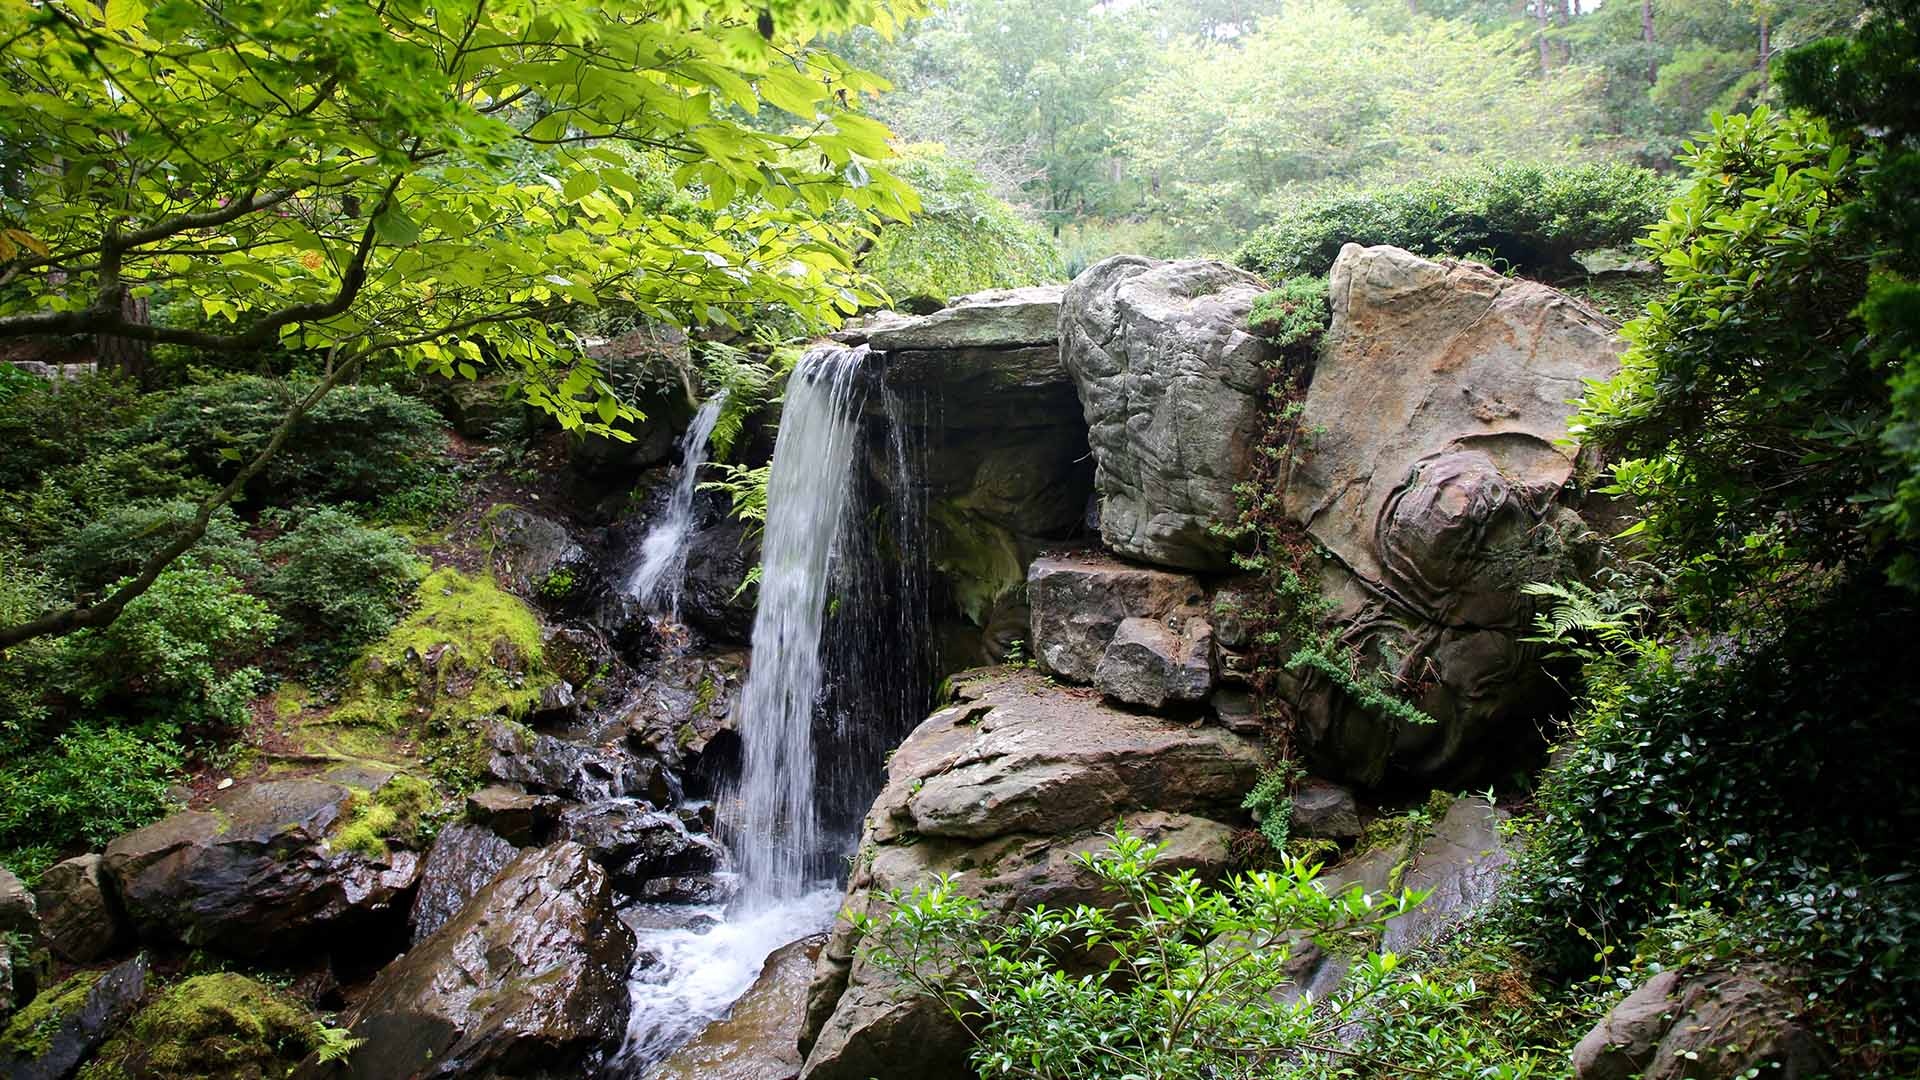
(223, 1026)
(468, 652)
(59, 1029)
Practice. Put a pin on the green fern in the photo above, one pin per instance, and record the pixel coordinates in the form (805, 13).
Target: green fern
(750, 381)
(332, 1044)
(1574, 612)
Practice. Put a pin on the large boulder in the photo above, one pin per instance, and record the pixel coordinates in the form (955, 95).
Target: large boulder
(1170, 381)
(254, 875)
(529, 980)
(1434, 480)
(758, 1039)
(78, 912)
(22, 961)
(62, 1027)
(996, 319)
(1704, 1024)
(537, 555)
(1003, 790)
(463, 860)
(1079, 600)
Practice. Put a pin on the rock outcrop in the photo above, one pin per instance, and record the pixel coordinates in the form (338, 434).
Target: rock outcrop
(529, 980)
(1005, 446)
(253, 875)
(1169, 379)
(1080, 599)
(1002, 789)
(1713, 1024)
(1435, 478)
(22, 960)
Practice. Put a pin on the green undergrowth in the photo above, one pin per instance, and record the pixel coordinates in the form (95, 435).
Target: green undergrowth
(219, 1025)
(397, 811)
(29, 1033)
(469, 651)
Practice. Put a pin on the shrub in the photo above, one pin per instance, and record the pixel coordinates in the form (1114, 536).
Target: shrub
(359, 443)
(1747, 413)
(1532, 218)
(1765, 777)
(1293, 314)
(171, 655)
(964, 239)
(93, 784)
(338, 584)
(119, 543)
(1186, 985)
(26, 670)
(48, 425)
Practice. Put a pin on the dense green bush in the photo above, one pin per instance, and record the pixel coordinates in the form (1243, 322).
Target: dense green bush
(1186, 987)
(1293, 314)
(1773, 778)
(1747, 413)
(337, 583)
(964, 240)
(174, 654)
(26, 670)
(358, 443)
(118, 543)
(91, 785)
(1528, 218)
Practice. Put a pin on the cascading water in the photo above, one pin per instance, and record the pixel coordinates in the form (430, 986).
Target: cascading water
(838, 676)
(775, 836)
(658, 579)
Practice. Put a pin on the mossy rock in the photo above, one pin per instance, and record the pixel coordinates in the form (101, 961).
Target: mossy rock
(469, 651)
(392, 812)
(29, 1034)
(223, 1026)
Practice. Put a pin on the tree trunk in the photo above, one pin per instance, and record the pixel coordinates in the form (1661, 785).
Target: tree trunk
(1766, 49)
(126, 355)
(1546, 56)
(1646, 35)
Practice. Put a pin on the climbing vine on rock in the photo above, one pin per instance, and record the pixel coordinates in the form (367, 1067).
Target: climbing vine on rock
(1288, 619)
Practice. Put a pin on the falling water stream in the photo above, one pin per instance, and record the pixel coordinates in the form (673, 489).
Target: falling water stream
(826, 602)
(658, 579)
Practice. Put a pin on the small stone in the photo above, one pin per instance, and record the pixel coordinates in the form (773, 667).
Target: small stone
(1149, 665)
(514, 814)
(1324, 811)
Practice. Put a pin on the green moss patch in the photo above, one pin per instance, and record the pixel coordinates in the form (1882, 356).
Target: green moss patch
(223, 1026)
(30, 1033)
(394, 812)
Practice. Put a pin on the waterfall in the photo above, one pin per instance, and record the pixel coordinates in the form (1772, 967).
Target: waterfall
(657, 580)
(840, 673)
(776, 837)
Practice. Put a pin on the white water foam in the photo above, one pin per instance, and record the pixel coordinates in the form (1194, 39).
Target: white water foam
(699, 974)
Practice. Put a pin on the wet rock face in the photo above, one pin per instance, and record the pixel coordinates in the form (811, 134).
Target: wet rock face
(529, 979)
(1711, 1024)
(1169, 379)
(78, 912)
(639, 846)
(1005, 446)
(1003, 789)
(253, 876)
(758, 1040)
(462, 861)
(1435, 480)
(557, 767)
